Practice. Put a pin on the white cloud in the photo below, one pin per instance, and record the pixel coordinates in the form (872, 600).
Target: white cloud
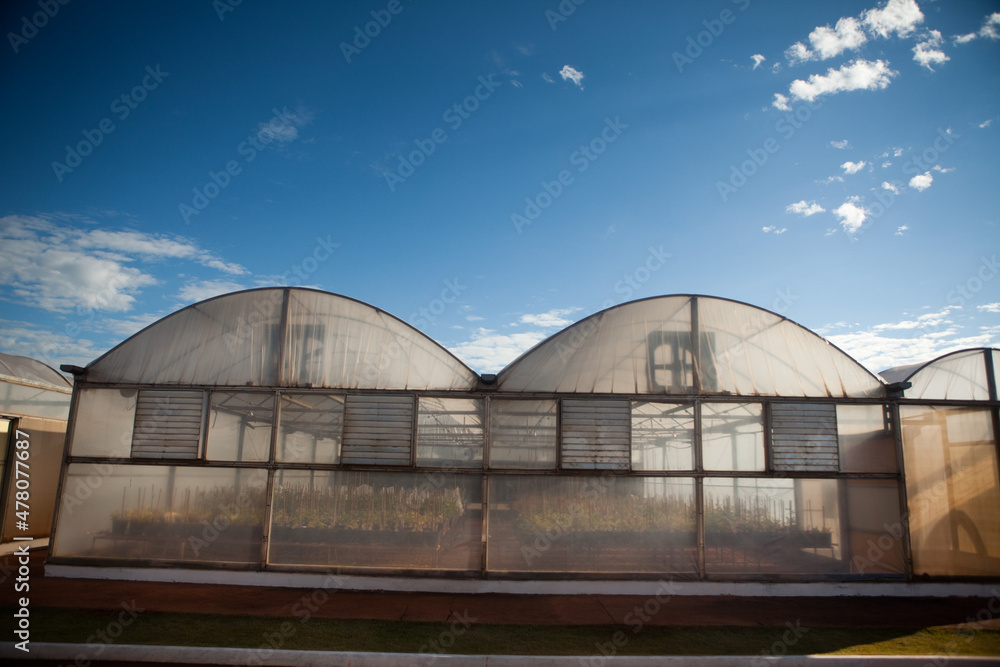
(781, 102)
(547, 78)
(488, 351)
(60, 267)
(571, 74)
(474, 318)
(771, 229)
(798, 53)
(891, 187)
(828, 42)
(199, 290)
(29, 340)
(840, 145)
(853, 167)
(989, 308)
(775, 68)
(900, 17)
(986, 123)
(553, 318)
(757, 60)
(831, 179)
(283, 128)
(858, 75)
(918, 340)
(851, 216)
(805, 208)
(926, 52)
(901, 229)
(989, 30)
(921, 182)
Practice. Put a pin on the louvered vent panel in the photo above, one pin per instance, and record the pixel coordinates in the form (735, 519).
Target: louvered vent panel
(167, 424)
(595, 435)
(378, 430)
(804, 437)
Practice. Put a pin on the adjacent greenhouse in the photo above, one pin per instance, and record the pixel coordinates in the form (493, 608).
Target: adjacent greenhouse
(34, 405)
(689, 437)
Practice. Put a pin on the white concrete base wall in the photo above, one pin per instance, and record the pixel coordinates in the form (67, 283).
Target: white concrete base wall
(430, 585)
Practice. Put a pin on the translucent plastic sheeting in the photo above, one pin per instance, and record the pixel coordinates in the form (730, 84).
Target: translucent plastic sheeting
(648, 347)
(33, 401)
(142, 513)
(41, 479)
(32, 370)
(450, 432)
(865, 438)
(523, 433)
(953, 490)
(329, 341)
(960, 376)
(311, 428)
(239, 426)
(796, 527)
(592, 524)
(732, 436)
(339, 342)
(413, 521)
(103, 422)
(662, 436)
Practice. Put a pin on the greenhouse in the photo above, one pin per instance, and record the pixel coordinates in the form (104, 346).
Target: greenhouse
(289, 430)
(34, 405)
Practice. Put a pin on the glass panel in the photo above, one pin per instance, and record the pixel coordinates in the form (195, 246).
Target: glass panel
(104, 421)
(132, 512)
(772, 526)
(311, 428)
(732, 436)
(450, 432)
(523, 433)
(340, 518)
(239, 426)
(865, 438)
(662, 436)
(21, 399)
(953, 491)
(602, 523)
(875, 530)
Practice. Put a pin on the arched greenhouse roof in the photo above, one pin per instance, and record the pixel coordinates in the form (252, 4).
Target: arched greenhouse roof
(281, 336)
(963, 376)
(26, 369)
(687, 344)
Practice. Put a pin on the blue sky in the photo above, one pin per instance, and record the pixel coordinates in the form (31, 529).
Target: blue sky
(493, 171)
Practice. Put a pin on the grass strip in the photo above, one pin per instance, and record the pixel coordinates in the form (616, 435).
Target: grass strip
(96, 627)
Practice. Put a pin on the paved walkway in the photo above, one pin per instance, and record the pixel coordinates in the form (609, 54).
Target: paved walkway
(489, 608)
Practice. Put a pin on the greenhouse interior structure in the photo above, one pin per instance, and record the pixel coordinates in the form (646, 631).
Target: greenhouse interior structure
(34, 406)
(288, 430)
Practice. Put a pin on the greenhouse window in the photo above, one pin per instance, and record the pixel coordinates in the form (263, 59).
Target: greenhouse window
(804, 436)
(167, 424)
(450, 432)
(378, 429)
(595, 434)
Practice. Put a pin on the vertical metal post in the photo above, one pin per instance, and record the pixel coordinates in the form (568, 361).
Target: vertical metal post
(895, 423)
(695, 346)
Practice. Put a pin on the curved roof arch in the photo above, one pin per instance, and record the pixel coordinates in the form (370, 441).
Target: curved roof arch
(283, 336)
(33, 371)
(685, 345)
(962, 375)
